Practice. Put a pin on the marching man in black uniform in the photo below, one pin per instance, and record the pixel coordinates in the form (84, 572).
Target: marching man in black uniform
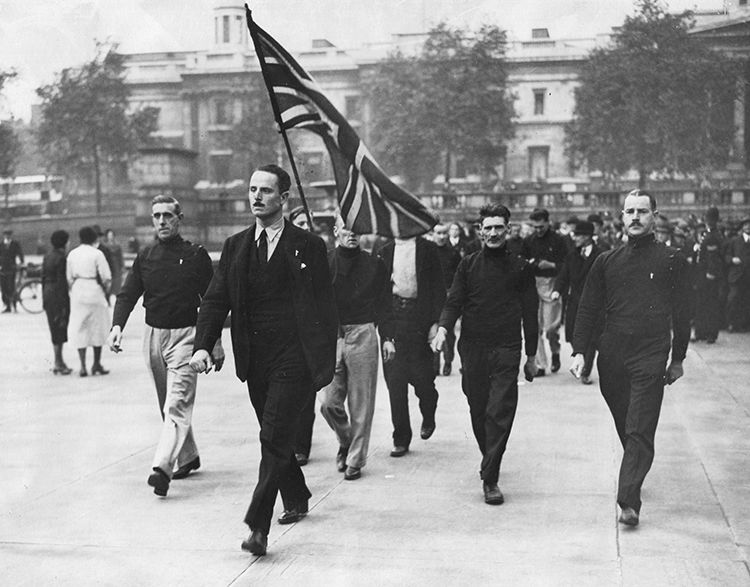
(643, 290)
(495, 293)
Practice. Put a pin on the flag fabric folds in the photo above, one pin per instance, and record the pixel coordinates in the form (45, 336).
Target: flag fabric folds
(370, 202)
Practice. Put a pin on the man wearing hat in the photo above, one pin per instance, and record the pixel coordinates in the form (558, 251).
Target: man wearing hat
(738, 276)
(569, 282)
(10, 251)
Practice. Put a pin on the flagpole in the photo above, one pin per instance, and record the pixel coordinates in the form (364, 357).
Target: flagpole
(277, 112)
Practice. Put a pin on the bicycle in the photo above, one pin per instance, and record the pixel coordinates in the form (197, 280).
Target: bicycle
(29, 288)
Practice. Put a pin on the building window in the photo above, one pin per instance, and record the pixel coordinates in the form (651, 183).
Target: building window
(222, 111)
(743, 2)
(539, 101)
(226, 31)
(538, 163)
(238, 20)
(220, 168)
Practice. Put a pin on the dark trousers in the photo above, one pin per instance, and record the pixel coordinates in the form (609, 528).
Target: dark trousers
(303, 438)
(490, 384)
(448, 351)
(631, 378)
(279, 386)
(708, 309)
(738, 305)
(411, 365)
(8, 287)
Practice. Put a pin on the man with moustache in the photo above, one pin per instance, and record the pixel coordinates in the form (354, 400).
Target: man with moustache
(643, 290)
(495, 294)
(274, 279)
(362, 300)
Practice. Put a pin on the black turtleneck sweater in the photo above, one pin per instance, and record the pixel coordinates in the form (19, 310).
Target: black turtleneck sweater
(172, 276)
(643, 289)
(495, 293)
(359, 284)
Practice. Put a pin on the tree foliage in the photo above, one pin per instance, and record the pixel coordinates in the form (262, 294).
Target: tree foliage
(86, 122)
(10, 144)
(451, 99)
(255, 136)
(657, 100)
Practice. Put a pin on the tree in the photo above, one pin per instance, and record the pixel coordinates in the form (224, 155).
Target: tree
(255, 136)
(86, 122)
(10, 145)
(657, 100)
(450, 100)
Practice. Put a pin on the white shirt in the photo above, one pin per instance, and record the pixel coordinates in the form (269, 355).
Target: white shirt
(586, 251)
(405, 268)
(273, 234)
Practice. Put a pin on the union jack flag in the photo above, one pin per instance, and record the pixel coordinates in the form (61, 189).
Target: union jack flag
(370, 202)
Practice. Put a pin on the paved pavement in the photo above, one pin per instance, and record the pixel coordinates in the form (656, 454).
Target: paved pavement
(75, 508)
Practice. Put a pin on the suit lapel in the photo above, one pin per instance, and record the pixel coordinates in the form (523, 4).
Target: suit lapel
(243, 262)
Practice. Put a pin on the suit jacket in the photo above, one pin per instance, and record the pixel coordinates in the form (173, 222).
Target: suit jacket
(570, 281)
(312, 293)
(737, 247)
(431, 288)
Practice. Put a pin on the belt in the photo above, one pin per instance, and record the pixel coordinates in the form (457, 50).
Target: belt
(403, 303)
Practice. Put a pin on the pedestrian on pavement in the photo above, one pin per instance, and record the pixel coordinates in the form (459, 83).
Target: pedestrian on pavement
(545, 250)
(274, 278)
(494, 293)
(738, 278)
(418, 293)
(362, 300)
(570, 281)
(303, 436)
(643, 290)
(172, 275)
(56, 299)
(118, 261)
(449, 260)
(11, 256)
(88, 277)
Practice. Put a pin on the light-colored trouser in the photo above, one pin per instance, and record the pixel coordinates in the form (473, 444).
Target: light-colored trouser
(355, 379)
(167, 352)
(550, 318)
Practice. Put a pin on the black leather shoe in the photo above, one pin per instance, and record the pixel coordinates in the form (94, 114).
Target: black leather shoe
(256, 543)
(492, 494)
(352, 473)
(159, 480)
(427, 430)
(586, 379)
(301, 459)
(447, 369)
(399, 451)
(629, 517)
(555, 362)
(341, 458)
(293, 515)
(185, 469)
(540, 373)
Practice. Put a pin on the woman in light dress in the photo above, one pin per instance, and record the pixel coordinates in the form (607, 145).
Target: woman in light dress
(89, 279)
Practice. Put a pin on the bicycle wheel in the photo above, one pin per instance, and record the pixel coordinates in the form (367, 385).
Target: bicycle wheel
(30, 296)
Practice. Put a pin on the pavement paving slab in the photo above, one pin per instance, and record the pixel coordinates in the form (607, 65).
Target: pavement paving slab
(75, 508)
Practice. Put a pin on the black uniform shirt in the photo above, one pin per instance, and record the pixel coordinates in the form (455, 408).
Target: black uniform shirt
(172, 276)
(360, 285)
(643, 288)
(548, 247)
(494, 291)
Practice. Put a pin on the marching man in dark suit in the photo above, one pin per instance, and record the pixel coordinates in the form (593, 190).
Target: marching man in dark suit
(274, 278)
(738, 276)
(416, 278)
(570, 281)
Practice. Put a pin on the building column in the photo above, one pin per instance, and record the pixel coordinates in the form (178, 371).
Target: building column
(738, 152)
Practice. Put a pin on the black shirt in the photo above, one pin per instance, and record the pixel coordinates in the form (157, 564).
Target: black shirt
(495, 293)
(359, 283)
(549, 247)
(449, 260)
(172, 276)
(643, 289)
